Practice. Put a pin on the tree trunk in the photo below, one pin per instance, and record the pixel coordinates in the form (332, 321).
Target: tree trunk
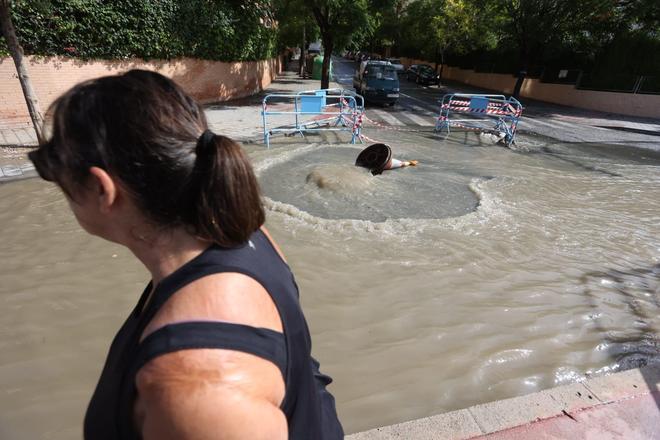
(522, 73)
(519, 82)
(301, 61)
(327, 57)
(303, 53)
(16, 52)
(442, 65)
(525, 55)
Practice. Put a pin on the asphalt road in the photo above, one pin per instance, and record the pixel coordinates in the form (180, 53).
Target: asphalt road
(418, 108)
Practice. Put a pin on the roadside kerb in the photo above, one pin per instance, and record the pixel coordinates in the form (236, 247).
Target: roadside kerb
(10, 173)
(593, 394)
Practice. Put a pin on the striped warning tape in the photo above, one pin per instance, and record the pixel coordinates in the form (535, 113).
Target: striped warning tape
(490, 111)
(493, 108)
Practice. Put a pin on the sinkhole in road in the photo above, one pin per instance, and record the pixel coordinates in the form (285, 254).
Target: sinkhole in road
(324, 182)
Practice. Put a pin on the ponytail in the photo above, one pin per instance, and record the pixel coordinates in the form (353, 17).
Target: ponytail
(224, 193)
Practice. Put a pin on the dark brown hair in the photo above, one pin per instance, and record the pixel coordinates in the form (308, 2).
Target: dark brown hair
(145, 130)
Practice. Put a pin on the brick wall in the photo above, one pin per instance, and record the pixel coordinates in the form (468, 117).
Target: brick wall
(207, 81)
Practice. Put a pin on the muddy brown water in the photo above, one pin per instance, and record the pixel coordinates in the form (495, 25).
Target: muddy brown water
(485, 273)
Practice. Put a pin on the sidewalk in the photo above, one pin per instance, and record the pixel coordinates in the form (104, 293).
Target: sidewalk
(23, 136)
(239, 119)
(623, 405)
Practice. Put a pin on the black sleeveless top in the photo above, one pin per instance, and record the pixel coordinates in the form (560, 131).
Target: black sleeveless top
(308, 407)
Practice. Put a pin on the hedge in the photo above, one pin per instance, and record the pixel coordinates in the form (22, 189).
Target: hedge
(222, 30)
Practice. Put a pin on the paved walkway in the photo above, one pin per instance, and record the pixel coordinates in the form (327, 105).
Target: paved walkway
(23, 136)
(238, 119)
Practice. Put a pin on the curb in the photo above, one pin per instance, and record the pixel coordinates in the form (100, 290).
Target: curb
(11, 173)
(501, 415)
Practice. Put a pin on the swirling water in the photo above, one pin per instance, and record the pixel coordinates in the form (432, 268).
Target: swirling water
(483, 273)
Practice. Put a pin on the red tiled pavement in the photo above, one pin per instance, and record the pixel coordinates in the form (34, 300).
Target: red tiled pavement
(634, 418)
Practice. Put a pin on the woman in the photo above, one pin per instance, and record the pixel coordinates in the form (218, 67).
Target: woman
(217, 345)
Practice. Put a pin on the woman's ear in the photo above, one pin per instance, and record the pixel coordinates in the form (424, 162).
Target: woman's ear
(104, 189)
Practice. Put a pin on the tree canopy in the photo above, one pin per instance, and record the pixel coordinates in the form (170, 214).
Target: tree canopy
(615, 36)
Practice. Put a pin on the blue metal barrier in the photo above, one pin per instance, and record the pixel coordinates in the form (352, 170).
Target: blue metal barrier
(316, 110)
(483, 110)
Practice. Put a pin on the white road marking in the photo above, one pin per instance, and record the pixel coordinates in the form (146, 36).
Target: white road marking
(418, 120)
(423, 110)
(415, 99)
(387, 117)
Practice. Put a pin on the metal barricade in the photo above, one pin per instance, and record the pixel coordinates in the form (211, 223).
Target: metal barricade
(314, 111)
(484, 110)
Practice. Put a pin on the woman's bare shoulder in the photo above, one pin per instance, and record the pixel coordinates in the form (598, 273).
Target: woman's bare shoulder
(204, 393)
(213, 393)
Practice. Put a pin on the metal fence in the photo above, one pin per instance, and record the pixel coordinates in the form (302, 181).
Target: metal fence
(597, 81)
(312, 111)
(494, 114)
(639, 84)
(561, 76)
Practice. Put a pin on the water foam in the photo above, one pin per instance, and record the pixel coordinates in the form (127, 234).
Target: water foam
(345, 180)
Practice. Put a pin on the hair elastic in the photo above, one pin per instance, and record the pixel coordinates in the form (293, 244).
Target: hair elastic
(205, 142)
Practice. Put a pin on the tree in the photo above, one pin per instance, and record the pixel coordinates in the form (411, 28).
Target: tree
(386, 18)
(534, 25)
(16, 51)
(296, 27)
(461, 26)
(341, 23)
(435, 27)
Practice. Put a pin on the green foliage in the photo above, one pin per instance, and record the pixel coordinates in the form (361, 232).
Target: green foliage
(433, 27)
(493, 35)
(340, 24)
(223, 30)
(610, 37)
(387, 19)
(343, 23)
(294, 21)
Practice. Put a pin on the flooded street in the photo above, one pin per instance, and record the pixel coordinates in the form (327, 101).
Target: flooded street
(483, 273)
(553, 277)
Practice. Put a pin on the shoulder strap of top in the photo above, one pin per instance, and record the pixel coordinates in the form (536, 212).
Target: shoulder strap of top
(262, 342)
(184, 276)
(213, 260)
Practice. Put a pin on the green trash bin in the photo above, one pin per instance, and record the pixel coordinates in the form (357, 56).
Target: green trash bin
(317, 68)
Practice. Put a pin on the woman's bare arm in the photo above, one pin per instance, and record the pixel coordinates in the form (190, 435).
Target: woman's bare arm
(213, 393)
(209, 394)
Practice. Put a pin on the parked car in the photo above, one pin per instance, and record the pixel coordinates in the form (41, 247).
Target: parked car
(377, 81)
(411, 72)
(422, 74)
(397, 64)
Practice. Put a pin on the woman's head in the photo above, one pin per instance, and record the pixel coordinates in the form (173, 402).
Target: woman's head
(146, 132)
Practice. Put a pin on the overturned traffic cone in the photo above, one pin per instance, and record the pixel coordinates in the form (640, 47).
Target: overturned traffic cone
(396, 163)
(378, 158)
